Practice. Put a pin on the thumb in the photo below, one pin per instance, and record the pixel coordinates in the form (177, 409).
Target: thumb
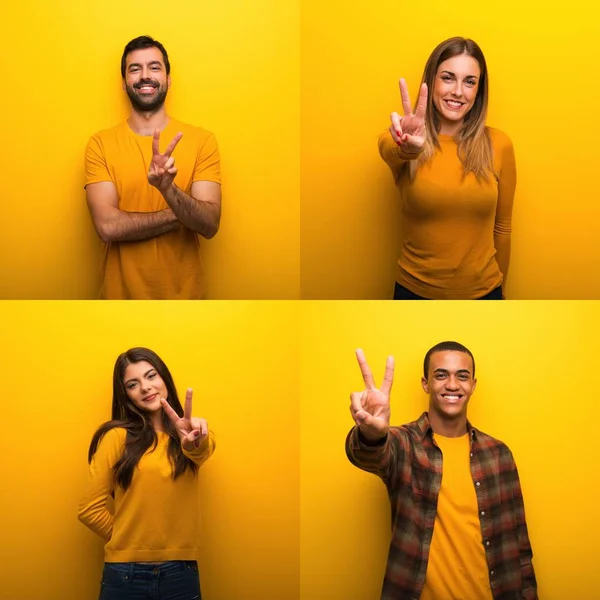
(364, 418)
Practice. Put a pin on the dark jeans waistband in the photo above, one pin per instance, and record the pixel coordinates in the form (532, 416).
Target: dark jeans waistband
(402, 293)
(150, 571)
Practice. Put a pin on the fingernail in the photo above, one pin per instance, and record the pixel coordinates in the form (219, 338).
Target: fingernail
(196, 433)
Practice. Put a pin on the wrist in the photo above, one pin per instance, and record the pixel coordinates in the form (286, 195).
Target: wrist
(372, 440)
(169, 193)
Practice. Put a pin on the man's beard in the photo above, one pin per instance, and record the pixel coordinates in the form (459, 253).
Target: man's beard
(140, 103)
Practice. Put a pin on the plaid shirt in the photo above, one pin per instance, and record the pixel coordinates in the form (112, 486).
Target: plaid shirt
(410, 464)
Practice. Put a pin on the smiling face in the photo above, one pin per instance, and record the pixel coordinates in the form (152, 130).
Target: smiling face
(144, 386)
(455, 90)
(449, 384)
(146, 81)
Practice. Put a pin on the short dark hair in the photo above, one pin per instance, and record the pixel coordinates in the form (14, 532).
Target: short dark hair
(139, 43)
(446, 347)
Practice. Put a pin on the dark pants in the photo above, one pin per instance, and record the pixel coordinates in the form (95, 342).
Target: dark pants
(173, 580)
(401, 293)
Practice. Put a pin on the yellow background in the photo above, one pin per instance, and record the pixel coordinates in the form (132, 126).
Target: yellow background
(235, 71)
(536, 365)
(241, 361)
(543, 93)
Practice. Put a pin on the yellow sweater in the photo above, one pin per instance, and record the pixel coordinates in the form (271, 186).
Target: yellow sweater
(156, 518)
(455, 230)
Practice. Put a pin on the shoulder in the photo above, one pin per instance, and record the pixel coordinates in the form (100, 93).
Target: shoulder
(500, 140)
(106, 137)
(115, 436)
(494, 445)
(192, 131)
(409, 432)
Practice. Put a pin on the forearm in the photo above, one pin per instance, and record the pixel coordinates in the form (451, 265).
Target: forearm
(391, 153)
(123, 226)
(204, 451)
(201, 217)
(502, 245)
(371, 456)
(97, 518)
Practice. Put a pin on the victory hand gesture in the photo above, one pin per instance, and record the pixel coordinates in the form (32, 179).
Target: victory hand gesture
(370, 408)
(409, 131)
(191, 430)
(162, 169)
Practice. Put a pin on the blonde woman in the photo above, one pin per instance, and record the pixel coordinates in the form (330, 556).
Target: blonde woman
(457, 180)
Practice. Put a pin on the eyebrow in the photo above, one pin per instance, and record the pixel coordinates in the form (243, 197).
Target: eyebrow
(152, 62)
(454, 74)
(145, 375)
(457, 372)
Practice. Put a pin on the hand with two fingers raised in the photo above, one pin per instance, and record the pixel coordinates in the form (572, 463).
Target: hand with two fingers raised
(409, 131)
(370, 408)
(192, 431)
(162, 170)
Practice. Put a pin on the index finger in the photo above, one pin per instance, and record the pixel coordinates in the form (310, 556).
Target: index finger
(388, 378)
(169, 410)
(422, 102)
(173, 143)
(155, 141)
(187, 411)
(364, 369)
(406, 105)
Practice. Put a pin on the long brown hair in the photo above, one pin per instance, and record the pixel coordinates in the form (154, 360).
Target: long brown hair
(473, 138)
(140, 433)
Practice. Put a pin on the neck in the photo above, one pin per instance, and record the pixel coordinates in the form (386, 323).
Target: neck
(451, 428)
(156, 421)
(146, 123)
(450, 127)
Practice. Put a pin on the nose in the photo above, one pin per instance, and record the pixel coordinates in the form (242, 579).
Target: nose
(457, 89)
(452, 384)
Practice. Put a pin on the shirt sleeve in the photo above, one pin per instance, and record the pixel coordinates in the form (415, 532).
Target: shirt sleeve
(392, 154)
(93, 511)
(208, 162)
(204, 451)
(96, 169)
(507, 183)
(380, 459)
(525, 551)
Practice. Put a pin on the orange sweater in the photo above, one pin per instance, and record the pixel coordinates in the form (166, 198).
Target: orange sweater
(455, 230)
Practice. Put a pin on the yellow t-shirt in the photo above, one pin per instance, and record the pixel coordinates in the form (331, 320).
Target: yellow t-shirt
(457, 567)
(451, 223)
(156, 518)
(167, 266)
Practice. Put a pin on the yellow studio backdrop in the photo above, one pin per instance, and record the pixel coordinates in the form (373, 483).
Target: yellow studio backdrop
(536, 366)
(543, 94)
(235, 71)
(241, 360)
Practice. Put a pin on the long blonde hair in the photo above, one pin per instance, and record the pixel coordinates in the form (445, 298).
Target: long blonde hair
(474, 142)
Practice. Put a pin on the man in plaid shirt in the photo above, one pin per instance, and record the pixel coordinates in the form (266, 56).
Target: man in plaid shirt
(457, 532)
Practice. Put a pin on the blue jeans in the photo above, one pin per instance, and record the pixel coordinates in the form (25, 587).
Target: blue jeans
(402, 293)
(173, 580)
